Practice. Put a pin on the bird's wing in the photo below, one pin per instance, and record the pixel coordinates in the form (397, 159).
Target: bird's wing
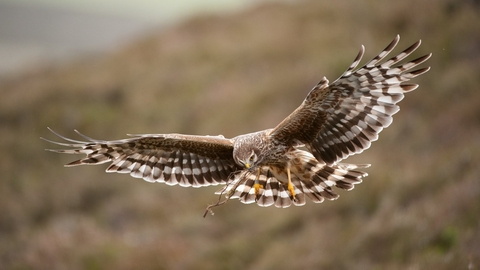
(342, 118)
(186, 160)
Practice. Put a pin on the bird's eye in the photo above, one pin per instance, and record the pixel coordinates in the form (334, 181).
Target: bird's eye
(252, 157)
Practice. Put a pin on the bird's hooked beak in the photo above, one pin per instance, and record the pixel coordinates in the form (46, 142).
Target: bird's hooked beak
(247, 165)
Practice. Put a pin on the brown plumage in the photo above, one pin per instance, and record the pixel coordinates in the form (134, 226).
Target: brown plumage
(298, 158)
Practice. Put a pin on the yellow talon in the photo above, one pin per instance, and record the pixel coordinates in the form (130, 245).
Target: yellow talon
(292, 190)
(257, 188)
(290, 187)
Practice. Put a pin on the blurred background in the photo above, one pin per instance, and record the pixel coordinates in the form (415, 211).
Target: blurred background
(37, 32)
(108, 68)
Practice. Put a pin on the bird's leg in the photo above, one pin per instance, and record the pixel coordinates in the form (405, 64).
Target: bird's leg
(257, 186)
(290, 187)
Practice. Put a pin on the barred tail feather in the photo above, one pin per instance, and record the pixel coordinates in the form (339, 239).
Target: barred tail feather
(317, 187)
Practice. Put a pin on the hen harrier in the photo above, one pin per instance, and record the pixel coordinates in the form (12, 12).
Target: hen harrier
(298, 158)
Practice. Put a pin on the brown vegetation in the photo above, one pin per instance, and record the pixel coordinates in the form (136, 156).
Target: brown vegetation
(418, 209)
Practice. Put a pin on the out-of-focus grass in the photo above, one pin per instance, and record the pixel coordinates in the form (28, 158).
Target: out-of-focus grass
(418, 209)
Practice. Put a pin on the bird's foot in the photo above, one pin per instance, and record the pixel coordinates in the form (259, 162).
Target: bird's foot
(291, 189)
(257, 188)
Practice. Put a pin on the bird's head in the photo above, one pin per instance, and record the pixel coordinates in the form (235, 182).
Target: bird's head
(247, 158)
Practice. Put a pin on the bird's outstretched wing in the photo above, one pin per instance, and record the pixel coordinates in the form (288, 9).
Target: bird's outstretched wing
(342, 118)
(186, 160)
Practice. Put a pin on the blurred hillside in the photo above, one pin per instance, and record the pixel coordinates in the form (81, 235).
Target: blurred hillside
(419, 208)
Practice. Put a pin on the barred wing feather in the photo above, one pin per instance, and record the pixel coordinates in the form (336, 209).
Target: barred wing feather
(342, 118)
(173, 159)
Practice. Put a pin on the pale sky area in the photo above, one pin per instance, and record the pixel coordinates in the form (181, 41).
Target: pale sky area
(147, 10)
(33, 32)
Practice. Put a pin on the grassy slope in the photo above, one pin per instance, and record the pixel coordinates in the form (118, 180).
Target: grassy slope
(418, 209)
